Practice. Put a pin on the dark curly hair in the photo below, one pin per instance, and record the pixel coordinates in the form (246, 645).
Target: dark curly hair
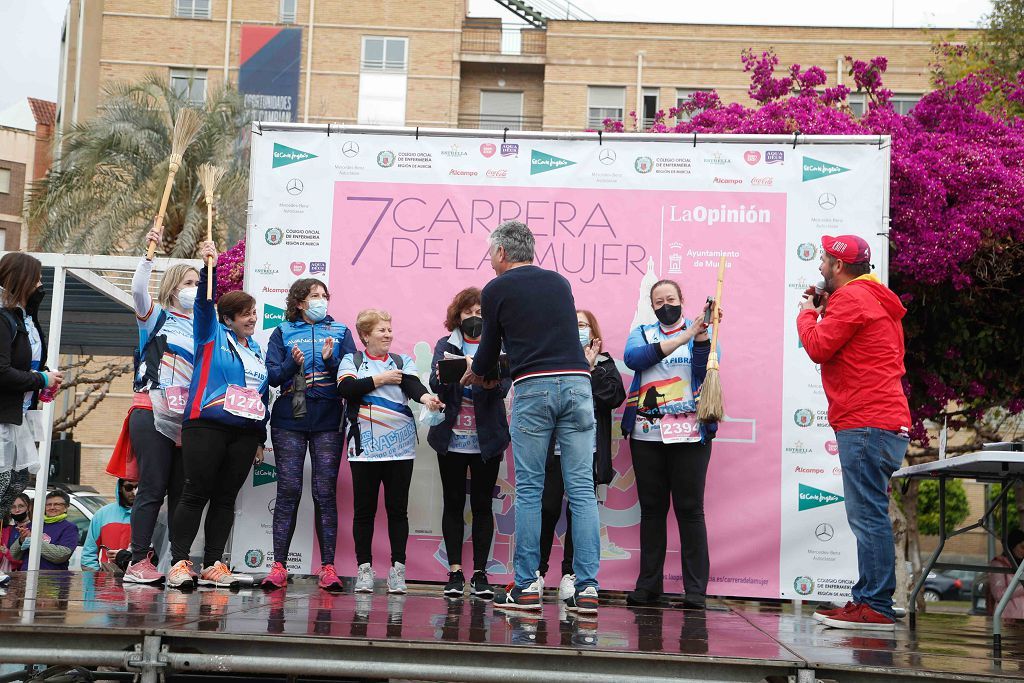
(468, 297)
(297, 293)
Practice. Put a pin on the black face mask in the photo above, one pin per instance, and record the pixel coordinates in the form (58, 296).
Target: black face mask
(669, 314)
(35, 298)
(472, 326)
(19, 518)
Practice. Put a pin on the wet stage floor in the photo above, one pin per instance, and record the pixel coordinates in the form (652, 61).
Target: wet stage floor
(70, 606)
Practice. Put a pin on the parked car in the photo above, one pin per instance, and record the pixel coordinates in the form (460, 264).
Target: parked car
(85, 502)
(949, 584)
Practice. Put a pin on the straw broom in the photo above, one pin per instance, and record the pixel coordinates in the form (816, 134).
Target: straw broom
(186, 127)
(711, 408)
(209, 177)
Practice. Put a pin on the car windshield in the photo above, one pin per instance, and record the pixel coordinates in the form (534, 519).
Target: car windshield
(92, 503)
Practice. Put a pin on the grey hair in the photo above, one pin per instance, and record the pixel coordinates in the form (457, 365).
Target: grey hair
(517, 241)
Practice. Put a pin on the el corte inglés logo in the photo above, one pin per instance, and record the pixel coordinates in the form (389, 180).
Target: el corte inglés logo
(284, 155)
(541, 162)
(811, 498)
(814, 169)
(263, 473)
(272, 317)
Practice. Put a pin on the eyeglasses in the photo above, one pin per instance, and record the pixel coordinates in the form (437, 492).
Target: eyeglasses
(55, 505)
(583, 326)
(129, 487)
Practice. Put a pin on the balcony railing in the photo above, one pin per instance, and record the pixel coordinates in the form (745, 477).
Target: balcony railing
(500, 122)
(504, 41)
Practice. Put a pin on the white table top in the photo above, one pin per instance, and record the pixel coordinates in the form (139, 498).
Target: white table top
(980, 464)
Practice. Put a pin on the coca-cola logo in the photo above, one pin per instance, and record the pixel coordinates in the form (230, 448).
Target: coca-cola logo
(752, 157)
(497, 173)
(765, 181)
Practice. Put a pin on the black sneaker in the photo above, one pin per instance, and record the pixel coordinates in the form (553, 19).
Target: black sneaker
(480, 586)
(519, 598)
(456, 585)
(585, 601)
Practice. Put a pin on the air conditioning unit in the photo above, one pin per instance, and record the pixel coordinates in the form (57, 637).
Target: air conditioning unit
(65, 462)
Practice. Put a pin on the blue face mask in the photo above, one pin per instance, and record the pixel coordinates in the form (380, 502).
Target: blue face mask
(317, 310)
(585, 336)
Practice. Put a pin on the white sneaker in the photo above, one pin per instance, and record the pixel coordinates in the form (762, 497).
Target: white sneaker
(567, 587)
(4, 579)
(364, 579)
(539, 583)
(396, 578)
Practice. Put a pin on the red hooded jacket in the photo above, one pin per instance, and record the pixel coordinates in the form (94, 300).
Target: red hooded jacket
(859, 344)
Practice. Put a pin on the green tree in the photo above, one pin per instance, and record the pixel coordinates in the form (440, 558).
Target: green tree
(104, 190)
(957, 507)
(1004, 33)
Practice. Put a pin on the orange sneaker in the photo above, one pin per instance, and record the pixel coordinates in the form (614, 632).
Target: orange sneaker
(218, 575)
(181, 575)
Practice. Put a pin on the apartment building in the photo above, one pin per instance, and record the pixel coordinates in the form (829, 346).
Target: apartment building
(426, 63)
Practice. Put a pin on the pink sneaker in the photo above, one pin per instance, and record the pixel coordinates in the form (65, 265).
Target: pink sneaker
(277, 578)
(328, 579)
(142, 571)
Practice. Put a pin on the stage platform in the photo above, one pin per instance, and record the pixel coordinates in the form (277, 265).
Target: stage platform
(303, 633)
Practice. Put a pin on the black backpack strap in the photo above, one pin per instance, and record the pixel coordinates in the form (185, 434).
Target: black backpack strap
(643, 333)
(398, 360)
(357, 359)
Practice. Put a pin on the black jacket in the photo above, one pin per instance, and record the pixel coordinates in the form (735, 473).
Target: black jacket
(609, 393)
(16, 375)
(489, 405)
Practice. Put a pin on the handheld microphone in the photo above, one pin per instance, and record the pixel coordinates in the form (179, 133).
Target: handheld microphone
(819, 293)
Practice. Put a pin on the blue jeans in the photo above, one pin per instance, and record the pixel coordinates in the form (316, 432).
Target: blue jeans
(869, 456)
(564, 406)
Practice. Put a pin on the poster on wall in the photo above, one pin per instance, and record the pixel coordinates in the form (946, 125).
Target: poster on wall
(399, 223)
(268, 73)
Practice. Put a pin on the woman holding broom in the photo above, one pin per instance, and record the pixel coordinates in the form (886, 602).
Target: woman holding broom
(670, 446)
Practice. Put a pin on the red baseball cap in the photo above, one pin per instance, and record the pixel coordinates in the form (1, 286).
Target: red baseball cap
(847, 248)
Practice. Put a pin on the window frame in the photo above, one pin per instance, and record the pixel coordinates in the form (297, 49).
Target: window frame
(598, 123)
(283, 17)
(190, 78)
(10, 175)
(644, 94)
(179, 13)
(384, 64)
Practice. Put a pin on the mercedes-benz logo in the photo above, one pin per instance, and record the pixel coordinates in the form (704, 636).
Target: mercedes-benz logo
(824, 532)
(350, 149)
(606, 157)
(827, 201)
(271, 505)
(294, 186)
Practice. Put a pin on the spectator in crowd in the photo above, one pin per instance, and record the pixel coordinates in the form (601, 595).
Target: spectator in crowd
(225, 426)
(60, 537)
(472, 439)
(382, 441)
(998, 583)
(110, 530)
(19, 516)
(531, 312)
(163, 372)
(302, 358)
(609, 393)
(23, 373)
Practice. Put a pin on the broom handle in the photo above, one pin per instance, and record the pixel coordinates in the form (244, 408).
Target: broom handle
(209, 238)
(159, 224)
(718, 299)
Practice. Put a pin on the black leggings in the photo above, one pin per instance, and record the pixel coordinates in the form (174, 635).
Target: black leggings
(367, 477)
(550, 511)
(217, 459)
(161, 473)
(453, 467)
(675, 472)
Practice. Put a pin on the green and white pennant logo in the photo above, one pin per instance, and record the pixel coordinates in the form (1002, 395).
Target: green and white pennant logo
(814, 169)
(272, 316)
(284, 155)
(263, 473)
(542, 162)
(811, 498)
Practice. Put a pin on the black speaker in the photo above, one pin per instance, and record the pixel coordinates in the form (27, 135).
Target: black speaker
(65, 461)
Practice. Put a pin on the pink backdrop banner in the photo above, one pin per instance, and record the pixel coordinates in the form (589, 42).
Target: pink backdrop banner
(408, 248)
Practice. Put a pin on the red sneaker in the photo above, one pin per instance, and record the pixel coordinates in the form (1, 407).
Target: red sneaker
(328, 579)
(861, 617)
(277, 578)
(823, 613)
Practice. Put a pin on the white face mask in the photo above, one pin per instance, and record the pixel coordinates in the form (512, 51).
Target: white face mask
(187, 297)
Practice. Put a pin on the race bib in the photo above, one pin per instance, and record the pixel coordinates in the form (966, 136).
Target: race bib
(466, 421)
(244, 402)
(176, 397)
(681, 428)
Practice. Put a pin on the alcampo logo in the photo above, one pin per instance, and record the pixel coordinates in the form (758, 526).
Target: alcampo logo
(811, 498)
(263, 473)
(284, 155)
(814, 169)
(272, 316)
(542, 163)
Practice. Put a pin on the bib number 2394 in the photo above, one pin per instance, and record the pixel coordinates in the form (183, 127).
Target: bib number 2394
(683, 428)
(244, 402)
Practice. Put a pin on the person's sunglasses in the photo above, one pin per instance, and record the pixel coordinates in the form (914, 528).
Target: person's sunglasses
(129, 487)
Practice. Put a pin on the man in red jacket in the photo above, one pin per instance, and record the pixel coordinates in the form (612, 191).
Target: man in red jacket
(859, 343)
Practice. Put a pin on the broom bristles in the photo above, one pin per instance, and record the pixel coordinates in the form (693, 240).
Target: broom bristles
(711, 408)
(209, 177)
(186, 128)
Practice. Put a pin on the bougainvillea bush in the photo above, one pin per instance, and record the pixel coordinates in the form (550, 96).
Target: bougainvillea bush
(956, 214)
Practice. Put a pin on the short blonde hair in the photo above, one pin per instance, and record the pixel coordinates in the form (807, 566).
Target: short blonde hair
(171, 281)
(368, 319)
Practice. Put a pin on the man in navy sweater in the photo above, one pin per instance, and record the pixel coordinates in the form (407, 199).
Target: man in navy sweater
(532, 313)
